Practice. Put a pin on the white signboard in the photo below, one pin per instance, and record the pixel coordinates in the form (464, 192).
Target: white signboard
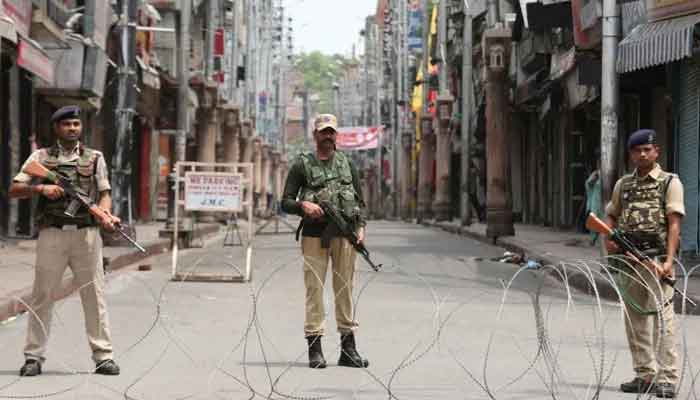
(212, 191)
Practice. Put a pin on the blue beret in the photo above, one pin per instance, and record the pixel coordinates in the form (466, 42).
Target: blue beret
(642, 136)
(67, 112)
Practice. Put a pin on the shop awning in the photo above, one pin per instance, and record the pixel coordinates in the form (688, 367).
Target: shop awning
(7, 29)
(657, 43)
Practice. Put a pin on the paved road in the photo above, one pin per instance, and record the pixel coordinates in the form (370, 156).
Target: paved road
(436, 323)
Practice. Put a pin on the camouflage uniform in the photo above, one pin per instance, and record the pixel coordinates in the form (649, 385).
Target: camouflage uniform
(641, 206)
(331, 181)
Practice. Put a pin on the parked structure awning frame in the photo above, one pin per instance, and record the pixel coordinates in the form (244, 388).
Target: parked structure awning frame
(657, 43)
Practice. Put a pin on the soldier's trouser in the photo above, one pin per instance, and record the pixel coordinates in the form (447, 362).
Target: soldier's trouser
(342, 256)
(652, 338)
(82, 250)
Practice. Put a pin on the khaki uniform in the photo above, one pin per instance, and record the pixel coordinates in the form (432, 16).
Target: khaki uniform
(81, 249)
(651, 338)
(334, 181)
(342, 255)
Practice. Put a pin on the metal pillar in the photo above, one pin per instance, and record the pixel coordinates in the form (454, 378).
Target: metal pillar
(378, 119)
(467, 71)
(609, 99)
(121, 165)
(442, 42)
(183, 75)
(396, 107)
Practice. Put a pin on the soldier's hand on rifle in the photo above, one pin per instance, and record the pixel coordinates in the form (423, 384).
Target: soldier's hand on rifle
(361, 235)
(666, 270)
(110, 222)
(651, 265)
(311, 210)
(53, 192)
(611, 246)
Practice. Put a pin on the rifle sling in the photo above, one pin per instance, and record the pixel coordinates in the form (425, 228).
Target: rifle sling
(299, 228)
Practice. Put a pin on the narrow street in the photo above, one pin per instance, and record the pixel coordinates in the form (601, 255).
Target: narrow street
(435, 323)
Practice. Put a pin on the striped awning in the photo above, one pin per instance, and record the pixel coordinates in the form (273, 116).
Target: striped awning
(657, 43)
(7, 28)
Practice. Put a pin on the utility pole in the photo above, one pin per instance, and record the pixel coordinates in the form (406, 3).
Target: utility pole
(183, 77)
(396, 104)
(121, 165)
(426, 55)
(212, 14)
(367, 107)
(492, 17)
(467, 71)
(232, 42)
(609, 97)
(378, 117)
(251, 53)
(441, 45)
(183, 95)
(394, 89)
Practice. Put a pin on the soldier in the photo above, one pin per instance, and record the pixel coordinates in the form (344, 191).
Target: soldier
(332, 173)
(649, 204)
(65, 240)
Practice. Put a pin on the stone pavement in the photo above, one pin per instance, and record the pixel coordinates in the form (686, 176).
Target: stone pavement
(17, 263)
(435, 323)
(565, 250)
(546, 245)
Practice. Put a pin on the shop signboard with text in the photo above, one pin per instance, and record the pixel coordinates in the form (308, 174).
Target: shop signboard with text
(212, 191)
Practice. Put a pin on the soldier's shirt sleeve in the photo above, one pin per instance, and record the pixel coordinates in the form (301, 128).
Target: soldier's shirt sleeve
(101, 176)
(295, 180)
(21, 177)
(613, 207)
(674, 197)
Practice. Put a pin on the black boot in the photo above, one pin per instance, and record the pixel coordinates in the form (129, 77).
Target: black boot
(107, 367)
(30, 368)
(316, 359)
(349, 357)
(639, 385)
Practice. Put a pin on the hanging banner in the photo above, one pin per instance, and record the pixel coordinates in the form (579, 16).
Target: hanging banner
(358, 138)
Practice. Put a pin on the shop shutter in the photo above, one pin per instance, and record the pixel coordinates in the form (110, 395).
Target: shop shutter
(688, 150)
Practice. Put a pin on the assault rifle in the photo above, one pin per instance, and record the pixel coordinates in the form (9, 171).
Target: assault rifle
(346, 230)
(623, 241)
(78, 198)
